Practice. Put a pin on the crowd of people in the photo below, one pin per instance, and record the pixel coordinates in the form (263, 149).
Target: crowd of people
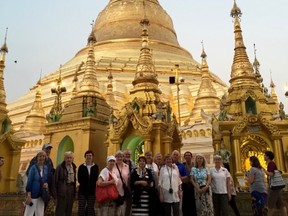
(154, 186)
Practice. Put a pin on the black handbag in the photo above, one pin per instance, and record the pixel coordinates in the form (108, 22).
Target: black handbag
(45, 194)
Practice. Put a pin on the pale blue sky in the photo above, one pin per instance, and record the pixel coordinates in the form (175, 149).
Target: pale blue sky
(44, 34)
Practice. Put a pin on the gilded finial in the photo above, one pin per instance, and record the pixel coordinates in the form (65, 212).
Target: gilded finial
(272, 85)
(236, 11)
(4, 47)
(92, 37)
(39, 81)
(203, 55)
(110, 76)
(256, 62)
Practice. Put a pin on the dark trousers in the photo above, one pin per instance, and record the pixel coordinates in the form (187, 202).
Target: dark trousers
(169, 206)
(86, 205)
(233, 205)
(65, 202)
(188, 200)
(220, 203)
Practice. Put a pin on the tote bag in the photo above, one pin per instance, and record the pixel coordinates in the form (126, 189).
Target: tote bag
(276, 181)
(106, 193)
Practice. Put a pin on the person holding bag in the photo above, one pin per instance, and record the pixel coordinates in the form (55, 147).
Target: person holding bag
(106, 190)
(37, 181)
(275, 200)
(122, 172)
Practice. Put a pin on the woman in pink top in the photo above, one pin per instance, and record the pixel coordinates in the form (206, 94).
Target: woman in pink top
(122, 172)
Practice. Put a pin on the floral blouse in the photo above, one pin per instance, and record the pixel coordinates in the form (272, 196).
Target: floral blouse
(200, 175)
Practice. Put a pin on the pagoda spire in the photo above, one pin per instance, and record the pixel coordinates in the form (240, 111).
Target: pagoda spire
(241, 67)
(3, 51)
(145, 71)
(109, 95)
(4, 48)
(89, 85)
(207, 99)
(256, 66)
(206, 88)
(35, 120)
(91, 37)
(273, 91)
(145, 84)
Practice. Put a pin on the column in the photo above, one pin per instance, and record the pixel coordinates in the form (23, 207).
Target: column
(167, 146)
(278, 153)
(147, 145)
(237, 155)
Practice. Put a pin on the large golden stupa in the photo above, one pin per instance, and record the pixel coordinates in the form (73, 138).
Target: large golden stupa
(117, 45)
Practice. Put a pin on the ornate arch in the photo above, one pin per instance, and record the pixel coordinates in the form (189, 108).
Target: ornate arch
(65, 145)
(253, 145)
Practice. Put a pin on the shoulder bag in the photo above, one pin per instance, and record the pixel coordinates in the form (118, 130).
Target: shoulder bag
(45, 194)
(276, 181)
(106, 193)
(127, 193)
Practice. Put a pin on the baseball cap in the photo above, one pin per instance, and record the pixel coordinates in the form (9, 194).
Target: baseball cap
(111, 157)
(47, 145)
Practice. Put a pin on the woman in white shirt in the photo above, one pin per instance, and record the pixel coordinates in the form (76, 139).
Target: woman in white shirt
(170, 187)
(220, 185)
(108, 208)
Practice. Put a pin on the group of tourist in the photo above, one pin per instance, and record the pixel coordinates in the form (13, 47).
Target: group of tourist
(154, 186)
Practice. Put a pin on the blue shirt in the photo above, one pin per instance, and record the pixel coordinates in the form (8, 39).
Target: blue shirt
(182, 169)
(35, 182)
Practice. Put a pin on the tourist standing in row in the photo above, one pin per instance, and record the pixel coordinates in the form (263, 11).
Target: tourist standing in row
(107, 177)
(47, 147)
(188, 197)
(201, 179)
(158, 160)
(87, 177)
(220, 185)
(37, 179)
(142, 185)
(121, 171)
(170, 187)
(65, 185)
(182, 172)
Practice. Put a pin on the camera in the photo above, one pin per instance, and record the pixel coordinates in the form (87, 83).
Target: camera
(29, 203)
(170, 190)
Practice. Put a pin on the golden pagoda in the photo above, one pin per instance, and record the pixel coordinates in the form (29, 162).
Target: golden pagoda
(116, 46)
(145, 123)
(249, 121)
(10, 145)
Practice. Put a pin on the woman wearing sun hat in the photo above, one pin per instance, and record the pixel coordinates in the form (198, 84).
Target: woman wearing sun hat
(108, 208)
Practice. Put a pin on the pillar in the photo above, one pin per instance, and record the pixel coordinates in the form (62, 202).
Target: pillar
(278, 153)
(167, 144)
(147, 145)
(237, 156)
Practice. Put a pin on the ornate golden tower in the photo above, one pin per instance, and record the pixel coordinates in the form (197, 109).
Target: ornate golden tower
(10, 146)
(145, 123)
(248, 123)
(82, 125)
